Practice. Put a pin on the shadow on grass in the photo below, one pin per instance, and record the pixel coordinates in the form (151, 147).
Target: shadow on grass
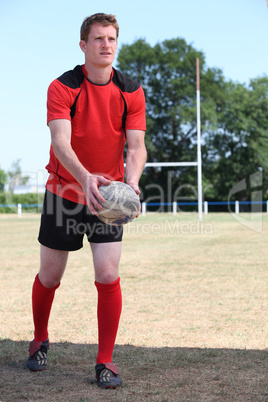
(149, 374)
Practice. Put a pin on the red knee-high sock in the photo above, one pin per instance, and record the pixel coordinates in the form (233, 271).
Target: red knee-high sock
(108, 312)
(42, 299)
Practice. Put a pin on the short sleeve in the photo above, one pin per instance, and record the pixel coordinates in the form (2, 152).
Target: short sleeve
(58, 102)
(136, 112)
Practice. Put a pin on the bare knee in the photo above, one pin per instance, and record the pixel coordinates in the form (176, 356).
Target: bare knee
(106, 272)
(106, 257)
(48, 281)
(106, 277)
(53, 263)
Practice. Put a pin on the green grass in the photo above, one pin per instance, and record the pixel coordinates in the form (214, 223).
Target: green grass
(194, 320)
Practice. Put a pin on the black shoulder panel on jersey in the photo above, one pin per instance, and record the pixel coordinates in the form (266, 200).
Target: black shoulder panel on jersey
(73, 78)
(124, 83)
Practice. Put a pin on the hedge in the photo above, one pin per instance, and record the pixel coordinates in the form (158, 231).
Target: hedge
(9, 202)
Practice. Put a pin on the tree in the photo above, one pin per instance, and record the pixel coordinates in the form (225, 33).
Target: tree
(234, 119)
(238, 147)
(15, 176)
(167, 73)
(3, 180)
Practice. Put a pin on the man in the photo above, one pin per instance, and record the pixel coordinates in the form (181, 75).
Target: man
(92, 110)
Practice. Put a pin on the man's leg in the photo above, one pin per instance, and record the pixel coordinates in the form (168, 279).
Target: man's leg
(106, 257)
(53, 263)
(52, 266)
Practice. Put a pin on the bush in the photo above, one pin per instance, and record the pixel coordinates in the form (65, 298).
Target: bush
(31, 202)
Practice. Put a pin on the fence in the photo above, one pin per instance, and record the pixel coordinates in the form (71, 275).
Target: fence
(174, 205)
(17, 208)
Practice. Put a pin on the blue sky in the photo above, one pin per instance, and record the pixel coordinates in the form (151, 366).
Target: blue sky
(39, 41)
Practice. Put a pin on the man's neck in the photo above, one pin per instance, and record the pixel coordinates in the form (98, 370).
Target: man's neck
(97, 75)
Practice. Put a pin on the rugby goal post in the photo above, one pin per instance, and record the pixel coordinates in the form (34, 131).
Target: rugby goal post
(198, 163)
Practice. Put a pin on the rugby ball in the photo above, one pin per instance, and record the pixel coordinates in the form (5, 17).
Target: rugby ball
(121, 204)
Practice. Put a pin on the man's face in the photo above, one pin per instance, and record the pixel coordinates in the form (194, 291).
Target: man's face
(100, 49)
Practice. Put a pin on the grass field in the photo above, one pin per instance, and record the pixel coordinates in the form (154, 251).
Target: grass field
(194, 320)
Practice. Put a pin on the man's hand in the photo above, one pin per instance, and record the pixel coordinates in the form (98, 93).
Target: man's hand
(136, 158)
(135, 187)
(91, 192)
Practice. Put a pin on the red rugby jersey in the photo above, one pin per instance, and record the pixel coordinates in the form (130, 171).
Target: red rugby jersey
(99, 116)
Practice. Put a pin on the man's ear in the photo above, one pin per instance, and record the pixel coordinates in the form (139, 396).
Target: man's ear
(83, 46)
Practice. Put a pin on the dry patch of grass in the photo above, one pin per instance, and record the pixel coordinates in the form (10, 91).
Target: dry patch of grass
(194, 320)
(150, 374)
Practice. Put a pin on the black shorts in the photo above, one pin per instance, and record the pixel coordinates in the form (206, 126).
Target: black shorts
(64, 224)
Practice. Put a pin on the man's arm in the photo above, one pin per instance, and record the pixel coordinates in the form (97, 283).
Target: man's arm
(61, 142)
(136, 158)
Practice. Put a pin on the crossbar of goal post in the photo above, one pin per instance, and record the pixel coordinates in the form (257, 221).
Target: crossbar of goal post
(199, 157)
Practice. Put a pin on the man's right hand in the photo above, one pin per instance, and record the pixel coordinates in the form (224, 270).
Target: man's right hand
(91, 191)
